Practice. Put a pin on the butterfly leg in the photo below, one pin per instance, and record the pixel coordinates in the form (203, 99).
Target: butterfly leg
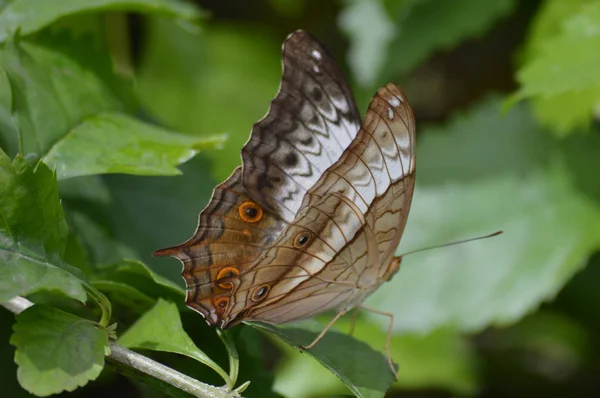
(329, 325)
(353, 320)
(388, 338)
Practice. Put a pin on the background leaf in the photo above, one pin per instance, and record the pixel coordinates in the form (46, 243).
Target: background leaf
(52, 93)
(57, 351)
(442, 360)
(425, 26)
(341, 354)
(560, 73)
(116, 143)
(27, 16)
(34, 233)
(219, 81)
(137, 275)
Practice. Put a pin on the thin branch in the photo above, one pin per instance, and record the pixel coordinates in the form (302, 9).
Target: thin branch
(123, 357)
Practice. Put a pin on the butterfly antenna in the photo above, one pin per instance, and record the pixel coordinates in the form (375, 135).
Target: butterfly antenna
(452, 243)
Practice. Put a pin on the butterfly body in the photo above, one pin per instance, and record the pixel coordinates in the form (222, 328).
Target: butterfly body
(312, 219)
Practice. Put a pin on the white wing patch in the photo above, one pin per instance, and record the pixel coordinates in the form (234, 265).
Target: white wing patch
(395, 102)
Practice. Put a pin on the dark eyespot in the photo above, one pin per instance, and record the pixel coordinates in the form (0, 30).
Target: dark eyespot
(221, 303)
(250, 212)
(261, 292)
(302, 239)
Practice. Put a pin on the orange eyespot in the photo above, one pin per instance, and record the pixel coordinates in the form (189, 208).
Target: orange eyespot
(250, 212)
(260, 293)
(302, 239)
(221, 303)
(224, 273)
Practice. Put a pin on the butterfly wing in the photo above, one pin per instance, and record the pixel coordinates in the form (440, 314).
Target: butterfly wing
(310, 122)
(340, 247)
(232, 232)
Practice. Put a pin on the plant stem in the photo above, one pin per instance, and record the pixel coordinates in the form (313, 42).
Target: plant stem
(103, 303)
(122, 356)
(127, 359)
(234, 359)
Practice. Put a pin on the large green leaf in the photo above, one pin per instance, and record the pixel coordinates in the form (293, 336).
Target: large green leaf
(363, 370)
(137, 275)
(174, 203)
(219, 81)
(52, 92)
(33, 233)
(57, 351)
(560, 72)
(116, 143)
(441, 359)
(28, 16)
(160, 329)
(66, 109)
(482, 173)
(425, 26)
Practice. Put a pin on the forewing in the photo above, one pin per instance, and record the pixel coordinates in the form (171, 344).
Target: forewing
(310, 123)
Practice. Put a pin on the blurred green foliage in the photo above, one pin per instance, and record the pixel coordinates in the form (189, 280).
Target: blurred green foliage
(101, 103)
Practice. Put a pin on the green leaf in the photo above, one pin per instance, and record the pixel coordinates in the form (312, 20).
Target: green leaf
(95, 234)
(564, 113)
(87, 203)
(288, 8)
(560, 73)
(57, 351)
(548, 21)
(9, 133)
(160, 329)
(133, 147)
(250, 345)
(53, 92)
(174, 203)
(441, 360)
(137, 275)
(482, 173)
(552, 337)
(124, 296)
(426, 26)
(364, 371)
(370, 30)
(28, 16)
(33, 233)
(219, 81)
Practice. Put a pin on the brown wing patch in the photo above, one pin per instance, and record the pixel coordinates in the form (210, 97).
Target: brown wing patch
(232, 232)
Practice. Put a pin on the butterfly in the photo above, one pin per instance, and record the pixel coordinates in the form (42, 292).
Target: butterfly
(311, 220)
